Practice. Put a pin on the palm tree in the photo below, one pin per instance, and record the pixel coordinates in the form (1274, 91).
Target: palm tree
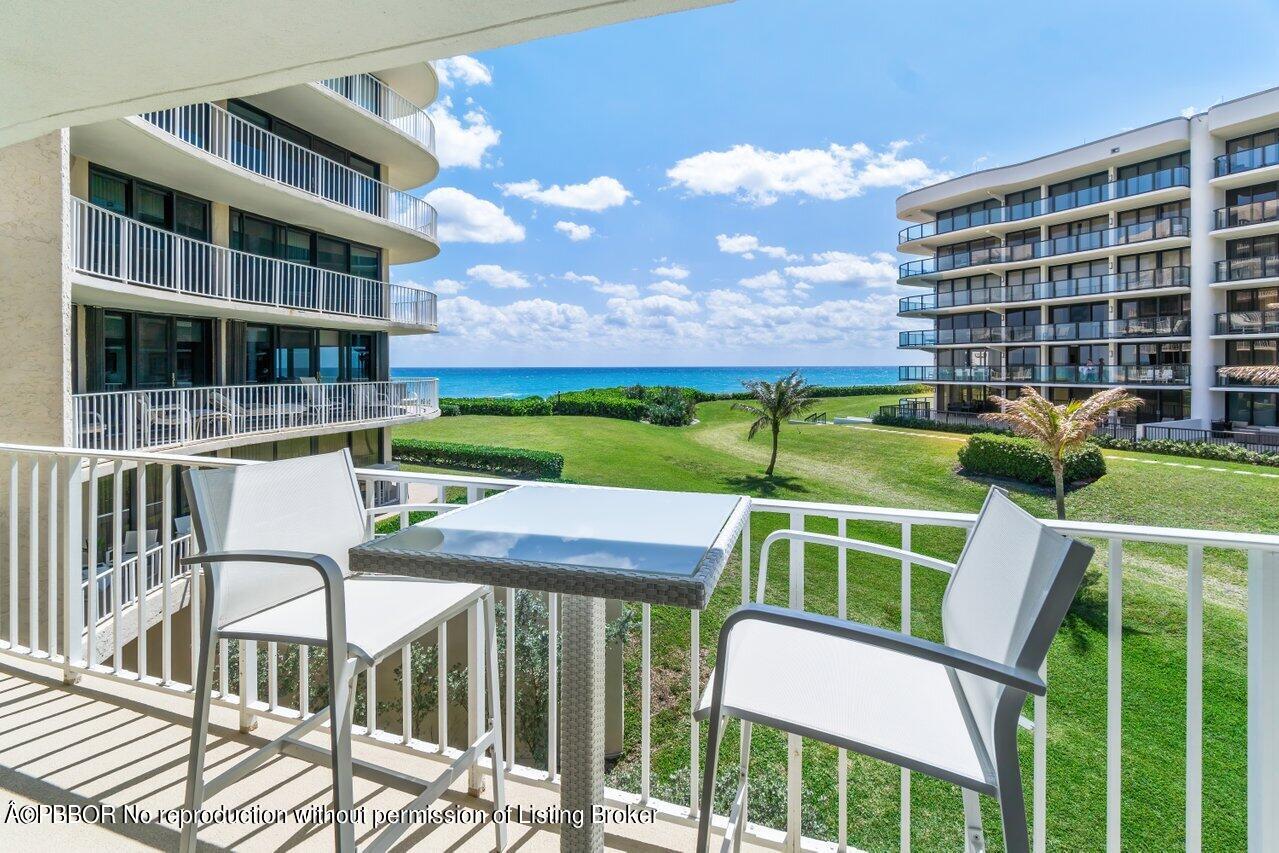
(1255, 374)
(1059, 430)
(775, 402)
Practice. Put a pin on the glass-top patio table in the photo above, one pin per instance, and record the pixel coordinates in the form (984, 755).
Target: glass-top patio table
(588, 544)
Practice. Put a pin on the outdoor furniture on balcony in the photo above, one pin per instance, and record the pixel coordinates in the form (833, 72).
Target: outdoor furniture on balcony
(586, 544)
(949, 711)
(274, 540)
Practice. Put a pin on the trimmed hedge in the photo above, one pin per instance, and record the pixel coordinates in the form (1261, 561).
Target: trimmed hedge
(824, 391)
(507, 461)
(1019, 459)
(935, 426)
(513, 406)
(599, 403)
(1193, 449)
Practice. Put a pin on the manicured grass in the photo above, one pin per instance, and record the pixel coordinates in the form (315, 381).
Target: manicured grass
(917, 469)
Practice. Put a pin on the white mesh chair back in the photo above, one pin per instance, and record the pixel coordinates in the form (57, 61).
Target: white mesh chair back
(310, 504)
(1008, 596)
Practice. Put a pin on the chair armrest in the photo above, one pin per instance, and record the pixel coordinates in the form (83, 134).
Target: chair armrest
(423, 507)
(840, 542)
(991, 670)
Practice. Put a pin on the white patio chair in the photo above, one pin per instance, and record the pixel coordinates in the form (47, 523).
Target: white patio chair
(949, 711)
(275, 539)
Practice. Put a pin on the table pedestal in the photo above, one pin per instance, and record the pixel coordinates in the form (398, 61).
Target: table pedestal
(582, 719)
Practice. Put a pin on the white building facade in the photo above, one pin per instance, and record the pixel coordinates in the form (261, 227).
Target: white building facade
(1146, 260)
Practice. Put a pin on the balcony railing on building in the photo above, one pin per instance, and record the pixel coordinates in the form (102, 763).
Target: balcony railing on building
(1122, 235)
(373, 96)
(1248, 214)
(173, 417)
(1237, 382)
(1040, 374)
(243, 144)
(1123, 282)
(1248, 323)
(1127, 327)
(1178, 176)
(113, 246)
(42, 626)
(1247, 160)
(1240, 269)
(922, 410)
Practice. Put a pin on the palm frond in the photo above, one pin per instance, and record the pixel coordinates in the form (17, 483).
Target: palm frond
(1252, 374)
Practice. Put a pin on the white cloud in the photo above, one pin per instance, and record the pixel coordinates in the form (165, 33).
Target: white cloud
(747, 245)
(464, 70)
(572, 276)
(467, 219)
(495, 275)
(534, 322)
(461, 141)
(674, 271)
(574, 231)
(1188, 112)
(626, 291)
(670, 288)
(764, 281)
(878, 270)
(760, 177)
(448, 286)
(595, 195)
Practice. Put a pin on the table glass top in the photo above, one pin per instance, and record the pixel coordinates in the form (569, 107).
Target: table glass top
(634, 530)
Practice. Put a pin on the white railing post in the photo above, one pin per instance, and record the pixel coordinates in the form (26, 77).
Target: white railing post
(1114, 697)
(73, 649)
(1263, 700)
(795, 743)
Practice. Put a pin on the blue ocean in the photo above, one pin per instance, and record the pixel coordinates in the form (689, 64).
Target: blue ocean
(545, 381)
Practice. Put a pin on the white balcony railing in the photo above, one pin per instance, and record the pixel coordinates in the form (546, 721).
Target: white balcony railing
(51, 482)
(172, 417)
(112, 246)
(375, 97)
(243, 144)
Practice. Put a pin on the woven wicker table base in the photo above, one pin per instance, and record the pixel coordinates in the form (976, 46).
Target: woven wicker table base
(582, 716)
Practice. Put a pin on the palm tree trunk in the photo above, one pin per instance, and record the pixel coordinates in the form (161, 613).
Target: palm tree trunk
(768, 472)
(1059, 480)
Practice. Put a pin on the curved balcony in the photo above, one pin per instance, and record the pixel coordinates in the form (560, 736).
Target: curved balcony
(219, 415)
(1244, 215)
(1178, 176)
(110, 246)
(1248, 323)
(1244, 269)
(204, 150)
(936, 373)
(1124, 282)
(363, 114)
(1094, 330)
(1246, 160)
(1106, 238)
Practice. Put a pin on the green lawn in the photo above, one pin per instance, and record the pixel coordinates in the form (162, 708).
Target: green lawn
(869, 465)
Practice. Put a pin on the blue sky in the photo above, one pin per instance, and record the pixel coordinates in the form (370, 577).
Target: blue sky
(717, 186)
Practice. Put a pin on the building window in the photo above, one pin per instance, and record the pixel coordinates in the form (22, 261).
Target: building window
(150, 204)
(1149, 167)
(155, 351)
(1254, 140)
(268, 238)
(289, 354)
(302, 138)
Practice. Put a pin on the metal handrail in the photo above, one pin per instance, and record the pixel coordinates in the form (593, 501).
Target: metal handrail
(1247, 160)
(243, 144)
(384, 103)
(109, 245)
(1241, 269)
(1248, 323)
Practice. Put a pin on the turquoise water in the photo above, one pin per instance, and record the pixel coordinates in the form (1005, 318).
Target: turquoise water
(544, 381)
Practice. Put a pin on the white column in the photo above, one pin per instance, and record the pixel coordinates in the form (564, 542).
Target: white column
(1202, 255)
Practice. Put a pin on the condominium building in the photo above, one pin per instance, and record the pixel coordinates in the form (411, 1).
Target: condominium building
(214, 278)
(1145, 260)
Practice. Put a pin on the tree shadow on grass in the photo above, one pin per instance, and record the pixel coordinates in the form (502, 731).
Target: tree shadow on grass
(761, 486)
(1011, 485)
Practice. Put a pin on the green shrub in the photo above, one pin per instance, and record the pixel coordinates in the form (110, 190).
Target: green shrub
(935, 426)
(1020, 459)
(512, 406)
(822, 391)
(671, 406)
(599, 403)
(506, 461)
(1193, 449)
(450, 410)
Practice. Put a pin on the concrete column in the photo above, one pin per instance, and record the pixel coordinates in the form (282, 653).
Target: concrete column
(1202, 255)
(35, 245)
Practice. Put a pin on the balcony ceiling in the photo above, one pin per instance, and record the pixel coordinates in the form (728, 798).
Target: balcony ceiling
(169, 53)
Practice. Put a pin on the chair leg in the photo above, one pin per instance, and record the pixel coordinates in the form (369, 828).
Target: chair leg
(743, 783)
(341, 705)
(1012, 802)
(495, 715)
(708, 777)
(199, 728)
(974, 835)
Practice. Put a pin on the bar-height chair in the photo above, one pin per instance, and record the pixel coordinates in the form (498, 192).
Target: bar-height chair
(275, 538)
(949, 711)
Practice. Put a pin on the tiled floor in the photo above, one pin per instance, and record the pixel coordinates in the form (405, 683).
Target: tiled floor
(102, 742)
